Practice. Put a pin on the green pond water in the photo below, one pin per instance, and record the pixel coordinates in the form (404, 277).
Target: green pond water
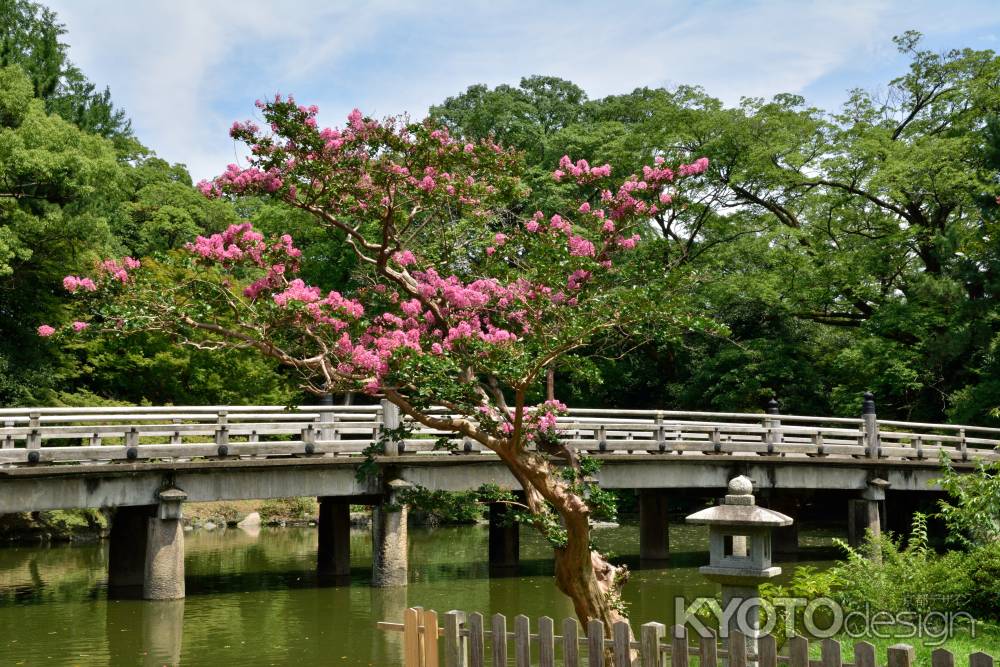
(253, 599)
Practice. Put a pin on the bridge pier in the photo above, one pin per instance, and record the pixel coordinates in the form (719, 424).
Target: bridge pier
(390, 561)
(865, 514)
(334, 553)
(785, 540)
(654, 524)
(147, 550)
(504, 541)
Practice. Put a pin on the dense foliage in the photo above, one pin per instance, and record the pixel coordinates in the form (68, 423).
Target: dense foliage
(845, 249)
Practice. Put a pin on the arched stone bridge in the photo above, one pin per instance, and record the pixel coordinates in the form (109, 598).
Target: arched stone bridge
(146, 462)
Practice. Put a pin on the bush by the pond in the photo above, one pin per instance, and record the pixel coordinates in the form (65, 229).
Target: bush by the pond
(55, 525)
(289, 509)
(888, 574)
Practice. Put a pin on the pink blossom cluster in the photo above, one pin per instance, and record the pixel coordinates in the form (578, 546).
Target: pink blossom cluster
(581, 247)
(242, 181)
(74, 283)
(542, 420)
(580, 170)
(114, 270)
(45, 330)
(297, 290)
(241, 243)
(697, 167)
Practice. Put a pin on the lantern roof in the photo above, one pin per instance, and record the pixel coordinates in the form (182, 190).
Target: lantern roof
(740, 509)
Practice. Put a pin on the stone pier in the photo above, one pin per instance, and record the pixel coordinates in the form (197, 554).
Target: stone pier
(504, 541)
(334, 554)
(865, 513)
(785, 540)
(390, 560)
(654, 537)
(147, 550)
(165, 549)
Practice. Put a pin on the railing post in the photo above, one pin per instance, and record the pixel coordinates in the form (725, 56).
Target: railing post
(661, 434)
(222, 432)
(773, 425)
(8, 439)
(132, 444)
(34, 440)
(873, 442)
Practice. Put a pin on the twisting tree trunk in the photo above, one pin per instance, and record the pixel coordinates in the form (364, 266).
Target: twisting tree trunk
(583, 574)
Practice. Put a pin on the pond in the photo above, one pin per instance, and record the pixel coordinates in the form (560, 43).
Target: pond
(253, 598)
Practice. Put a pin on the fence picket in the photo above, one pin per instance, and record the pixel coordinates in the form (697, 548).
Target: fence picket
(622, 642)
(678, 647)
(902, 655)
(571, 643)
(477, 646)
(798, 652)
(651, 635)
(708, 649)
(522, 641)
(411, 638)
(830, 652)
(864, 655)
(431, 658)
(499, 640)
(767, 651)
(595, 643)
(980, 659)
(737, 649)
(546, 642)
(942, 658)
(454, 644)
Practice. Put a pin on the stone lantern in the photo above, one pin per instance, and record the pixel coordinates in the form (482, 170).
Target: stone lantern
(739, 535)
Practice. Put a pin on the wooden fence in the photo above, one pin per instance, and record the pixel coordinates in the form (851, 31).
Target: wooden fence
(99, 435)
(460, 640)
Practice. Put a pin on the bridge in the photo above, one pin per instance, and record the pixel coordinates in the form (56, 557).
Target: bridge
(146, 462)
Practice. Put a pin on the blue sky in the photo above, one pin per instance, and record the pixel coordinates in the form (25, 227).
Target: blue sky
(185, 69)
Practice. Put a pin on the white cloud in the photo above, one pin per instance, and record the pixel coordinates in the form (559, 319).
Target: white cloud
(184, 70)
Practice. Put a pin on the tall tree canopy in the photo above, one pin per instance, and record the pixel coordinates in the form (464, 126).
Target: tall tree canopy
(30, 37)
(845, 250)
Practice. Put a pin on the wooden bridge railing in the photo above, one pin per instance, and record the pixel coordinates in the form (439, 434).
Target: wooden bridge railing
(461, 640)
(96, 435)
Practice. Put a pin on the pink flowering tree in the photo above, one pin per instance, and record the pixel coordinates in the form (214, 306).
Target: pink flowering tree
(462, 304)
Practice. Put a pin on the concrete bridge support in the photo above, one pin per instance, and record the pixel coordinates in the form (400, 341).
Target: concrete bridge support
(654, 536)
(866, 514)
(504, 541)
(390, 560)
(147, 550)
(785, 540)
(334, 554)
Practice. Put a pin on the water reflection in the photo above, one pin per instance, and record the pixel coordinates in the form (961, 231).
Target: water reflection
(257, 600)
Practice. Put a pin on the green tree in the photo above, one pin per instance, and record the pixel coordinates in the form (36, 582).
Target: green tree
(51, 220)
(30, 36)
